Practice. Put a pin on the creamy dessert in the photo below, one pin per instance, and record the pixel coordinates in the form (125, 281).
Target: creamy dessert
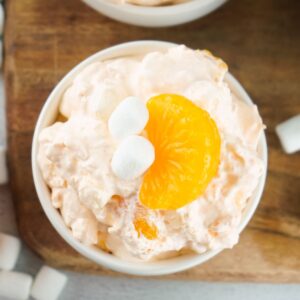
(149, 2)
(154, 155)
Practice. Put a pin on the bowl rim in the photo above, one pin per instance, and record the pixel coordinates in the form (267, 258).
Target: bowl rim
(159, 16)
(176, 8)
(161, 267)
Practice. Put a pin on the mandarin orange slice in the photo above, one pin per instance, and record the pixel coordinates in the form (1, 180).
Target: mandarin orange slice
(143, 227)
(187, 152)
(101, 242)
(142, 224)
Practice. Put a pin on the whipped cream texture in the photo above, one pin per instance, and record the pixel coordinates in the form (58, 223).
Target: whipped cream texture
(75, 156)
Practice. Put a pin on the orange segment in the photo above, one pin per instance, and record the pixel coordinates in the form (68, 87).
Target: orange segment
(187, 152)
(101, 242)
(149, 231)
(102, 245)
(117, 198)
(142, 225)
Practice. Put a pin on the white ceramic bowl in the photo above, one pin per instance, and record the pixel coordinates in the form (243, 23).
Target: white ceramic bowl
(159, 16)
(48, 116)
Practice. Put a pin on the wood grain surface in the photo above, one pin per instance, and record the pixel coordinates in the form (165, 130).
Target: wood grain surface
(260, 41)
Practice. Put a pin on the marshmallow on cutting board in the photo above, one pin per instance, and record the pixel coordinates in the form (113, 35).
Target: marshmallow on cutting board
(15, 285)
(48, 284)
(9, 251)
(134, 155)
(289, 134)
(129, 117)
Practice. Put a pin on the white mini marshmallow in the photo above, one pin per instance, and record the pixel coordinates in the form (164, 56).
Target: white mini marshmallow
(15, 285)
(289, 134)
(3, 166)
(129, 117)
(133, 157)
(104, 99)
(9, 251)
(48, 284)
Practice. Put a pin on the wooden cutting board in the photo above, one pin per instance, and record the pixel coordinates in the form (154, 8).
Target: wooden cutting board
(260, 41)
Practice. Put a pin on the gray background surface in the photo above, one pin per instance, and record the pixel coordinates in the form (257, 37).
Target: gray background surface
(89, 287)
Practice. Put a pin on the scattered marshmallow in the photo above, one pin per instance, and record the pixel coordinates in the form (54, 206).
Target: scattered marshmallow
(48, 284)
(3, 166)
(129, 117)
(103, 100)
(289, 134)
(133, 157)
(15, 285)
(10, 247)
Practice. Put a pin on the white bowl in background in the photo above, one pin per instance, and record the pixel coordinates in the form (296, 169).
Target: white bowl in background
(155, 16)
(47, 117)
